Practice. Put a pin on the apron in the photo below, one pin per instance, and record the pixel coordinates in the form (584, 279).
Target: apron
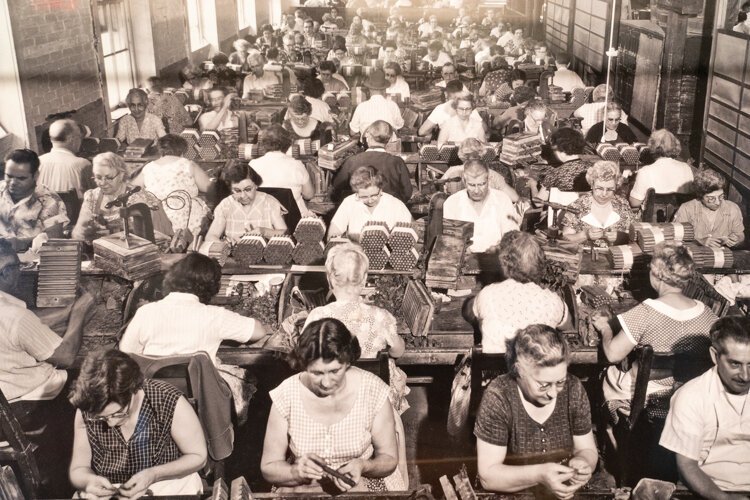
(728, 459)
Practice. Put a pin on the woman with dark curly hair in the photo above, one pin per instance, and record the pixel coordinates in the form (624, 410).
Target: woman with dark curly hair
(717, 221)
(533, 427)
(333, 414)
(570, 175)
(671, 323)
(183, 322)
(132, 436)
(519, 300)
(300, 124)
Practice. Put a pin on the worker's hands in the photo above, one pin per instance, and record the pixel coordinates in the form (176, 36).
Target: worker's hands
(137, 485)
(582, 469)
(352, 469)
(305, 469)
(610, 135)
(712, 242)
(554, 477)
(99, 487)
(92, 230)
(600, 320)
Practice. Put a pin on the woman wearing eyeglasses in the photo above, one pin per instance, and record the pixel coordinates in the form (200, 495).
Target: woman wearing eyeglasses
(717, 222)
(132, 435)
(460, 126)
(112, 181)
(246, 209)
(368, 203)
(533, 427)
(600, 211)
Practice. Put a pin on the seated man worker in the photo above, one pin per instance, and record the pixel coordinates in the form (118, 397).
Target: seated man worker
(397, 181)
(490, 210)
(377, 107)
(28, 209)
(436, 56)
(709, 416)
(259, 78)
(60, 169)
(33, 359)
(443, 112)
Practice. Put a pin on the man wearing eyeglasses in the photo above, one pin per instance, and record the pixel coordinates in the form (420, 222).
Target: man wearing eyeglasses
(28, 209)
(490, 210)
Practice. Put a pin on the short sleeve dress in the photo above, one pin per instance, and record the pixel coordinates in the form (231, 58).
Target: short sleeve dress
(375, 328)
(343, 441)
(667, 330)
(620, 219)
(503, 421)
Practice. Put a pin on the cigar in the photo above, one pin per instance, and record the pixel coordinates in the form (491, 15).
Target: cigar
(348, 480)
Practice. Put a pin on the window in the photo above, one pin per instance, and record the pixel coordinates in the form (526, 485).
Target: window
(116, 42)
(196, 24)
(246, 14)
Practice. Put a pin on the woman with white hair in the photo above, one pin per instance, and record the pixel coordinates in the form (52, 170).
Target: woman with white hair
(112, 181)
(242, 49)
(601, 210)
(139, 124)
(346, 270)
(667, 174)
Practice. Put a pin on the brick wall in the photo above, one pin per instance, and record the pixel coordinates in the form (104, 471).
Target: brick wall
(57, 60)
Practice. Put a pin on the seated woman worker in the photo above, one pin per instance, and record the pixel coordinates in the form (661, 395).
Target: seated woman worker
(534, 419)
(331, 414)
(132, 435)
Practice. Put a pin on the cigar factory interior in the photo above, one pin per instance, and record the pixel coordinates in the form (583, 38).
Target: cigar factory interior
(375, 249)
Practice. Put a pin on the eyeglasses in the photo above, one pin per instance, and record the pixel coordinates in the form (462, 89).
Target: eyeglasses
(714, 199)
(106, 178)
(371, 197)
(106, 418)
(464, 110)
(247, 190)
(604, 190)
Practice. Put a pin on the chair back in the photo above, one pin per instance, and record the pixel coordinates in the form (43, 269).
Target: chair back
(482, 362)
(377, 365)
(72, 204)
(19, 449)
(434, 226)
(562, 198)
(513, 127)
(654, 366)
(286, 198)
(662, 207)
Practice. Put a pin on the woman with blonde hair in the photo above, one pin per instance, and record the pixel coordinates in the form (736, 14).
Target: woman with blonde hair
(665, 175)
(600, 211)
(671, 323)
(346, 270)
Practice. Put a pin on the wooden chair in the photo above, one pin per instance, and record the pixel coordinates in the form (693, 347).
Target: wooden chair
(662, 207)
(72, 205)
(651, 366)
(377, 365)
(434, 219)
(483, 362)
(513, 127)
(286, 198)
(19, 450)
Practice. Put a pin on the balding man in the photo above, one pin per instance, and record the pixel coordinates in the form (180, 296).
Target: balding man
(490, 210)
(397, 181)
(60, 169)
(259, 78)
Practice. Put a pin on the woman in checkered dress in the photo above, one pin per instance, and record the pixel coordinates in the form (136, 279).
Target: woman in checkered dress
(671, 323)
(132, 436)
(333, 414)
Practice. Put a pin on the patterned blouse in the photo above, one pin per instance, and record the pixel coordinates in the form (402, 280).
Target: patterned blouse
(151, 443)
(343, 441)
(128, 131)
(503, 421)
(375, 328)
(495, 79)
(620, 219)
(169, 107)
(570, 176)
(231, 218)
